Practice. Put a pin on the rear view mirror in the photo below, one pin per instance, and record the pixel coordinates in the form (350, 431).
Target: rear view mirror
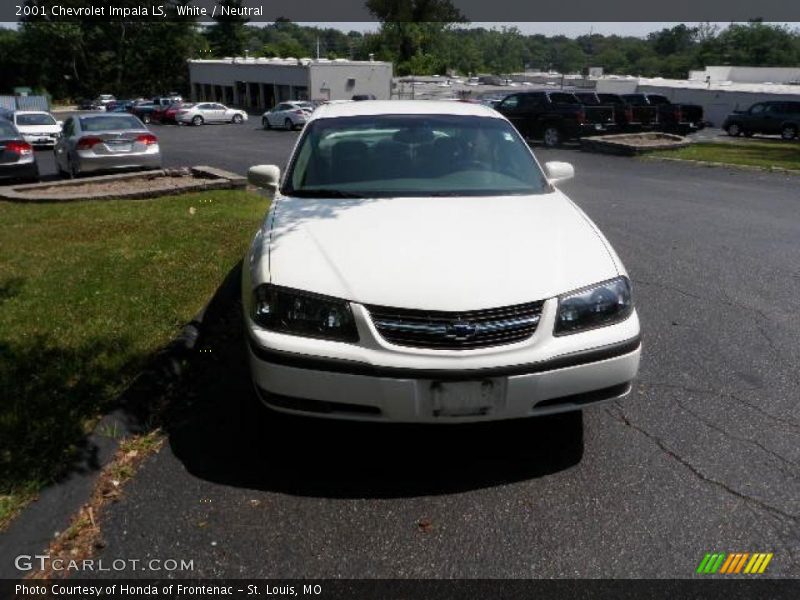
(558, 171)
(266, 177)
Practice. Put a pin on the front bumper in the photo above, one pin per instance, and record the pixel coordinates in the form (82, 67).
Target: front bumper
(543, 375)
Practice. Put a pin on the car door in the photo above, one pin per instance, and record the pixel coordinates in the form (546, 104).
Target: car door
(220, 113)
(276, 115)
(773, 118)
(61, 148)
(755, 118)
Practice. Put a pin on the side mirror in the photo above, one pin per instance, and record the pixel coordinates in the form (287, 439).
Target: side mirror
(60, 123)
(266, 177)
(558, 172)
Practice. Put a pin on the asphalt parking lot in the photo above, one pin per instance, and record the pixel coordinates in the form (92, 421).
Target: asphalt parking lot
(703, 456)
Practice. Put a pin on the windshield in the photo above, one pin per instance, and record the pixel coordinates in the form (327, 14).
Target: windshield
(412, 155)
(110, 123)
(35, 119)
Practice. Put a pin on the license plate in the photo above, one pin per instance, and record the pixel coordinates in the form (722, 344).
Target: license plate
(465, 398)
(119, 147)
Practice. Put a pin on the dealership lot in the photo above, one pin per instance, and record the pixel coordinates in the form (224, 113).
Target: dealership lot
(702, 457)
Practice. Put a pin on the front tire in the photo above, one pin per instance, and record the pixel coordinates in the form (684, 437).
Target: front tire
(789, 132)
(197, 121)
(552, 136)
(237, 119)
(734, 130)
(288, 124)
(146, 119)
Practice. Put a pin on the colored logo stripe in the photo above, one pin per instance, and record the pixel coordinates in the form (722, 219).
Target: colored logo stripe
(734, 563)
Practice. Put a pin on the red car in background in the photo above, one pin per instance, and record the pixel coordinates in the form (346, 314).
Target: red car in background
(166, 114)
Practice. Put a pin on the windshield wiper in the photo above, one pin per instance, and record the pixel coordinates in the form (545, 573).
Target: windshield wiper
(324, 193)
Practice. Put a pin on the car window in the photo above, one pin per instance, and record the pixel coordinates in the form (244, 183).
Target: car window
(588, 99)
(35, 119)
(756, 109)
(109, 123)
(658, 99)
(774, 108)
(219, 107)
(69, 127)
(7, 129)
(413, 155)
(510, 102)
(563, 98)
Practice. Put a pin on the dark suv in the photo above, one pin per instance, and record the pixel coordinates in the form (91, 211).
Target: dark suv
(777, 117)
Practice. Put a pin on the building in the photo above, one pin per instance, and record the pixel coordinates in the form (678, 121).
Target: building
(260, 83)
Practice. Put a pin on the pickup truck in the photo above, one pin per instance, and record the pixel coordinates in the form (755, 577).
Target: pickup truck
(628, 116)
(678, 118)
(770, 118)
(554, 116)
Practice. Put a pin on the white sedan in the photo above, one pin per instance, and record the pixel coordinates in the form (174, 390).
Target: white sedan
(210, 112)
(39, 128)
(418, 265)
(288, 115)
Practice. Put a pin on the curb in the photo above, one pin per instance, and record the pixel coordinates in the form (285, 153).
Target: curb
(208, 178)
(708, 163)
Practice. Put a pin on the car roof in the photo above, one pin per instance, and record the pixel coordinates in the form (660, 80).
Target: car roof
(403, 107)
(31, 112)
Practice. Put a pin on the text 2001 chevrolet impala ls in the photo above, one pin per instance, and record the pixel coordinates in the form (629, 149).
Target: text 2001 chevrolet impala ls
(418, 265)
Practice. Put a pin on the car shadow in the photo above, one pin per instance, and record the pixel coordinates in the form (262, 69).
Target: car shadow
(219, 431)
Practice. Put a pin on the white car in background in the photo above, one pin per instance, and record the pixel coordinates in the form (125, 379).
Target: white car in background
(39, 128)
(292, 114)
(418, 265)
(210, 112)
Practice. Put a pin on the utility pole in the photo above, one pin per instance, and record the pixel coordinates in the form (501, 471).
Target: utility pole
(317, 47)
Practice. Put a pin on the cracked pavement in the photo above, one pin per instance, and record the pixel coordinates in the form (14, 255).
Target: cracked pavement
(703, 456)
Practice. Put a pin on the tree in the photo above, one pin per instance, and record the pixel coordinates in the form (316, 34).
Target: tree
(411, 27)
(228, 36)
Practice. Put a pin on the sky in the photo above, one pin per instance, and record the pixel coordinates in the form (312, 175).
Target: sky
(640, 29)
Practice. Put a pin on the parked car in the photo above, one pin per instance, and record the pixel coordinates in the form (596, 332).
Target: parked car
(367, 297)
(17, 159)
(168, 114)
(627, 116)
(119, 106)
(678, 118)
(292, 114)
(38, 127)
(90, 104)
(104, 100)
(554, 116)
(770, 118)
(210, 112)
(144, 111)
(105, 142)
(167, 100)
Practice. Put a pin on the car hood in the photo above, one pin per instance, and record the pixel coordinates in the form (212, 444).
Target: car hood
(442, 253)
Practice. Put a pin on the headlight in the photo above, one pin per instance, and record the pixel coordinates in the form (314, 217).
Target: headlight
(302, 313)
(602, 304)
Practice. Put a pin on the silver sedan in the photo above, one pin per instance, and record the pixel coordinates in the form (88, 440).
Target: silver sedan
(210, 112)
(91, 143)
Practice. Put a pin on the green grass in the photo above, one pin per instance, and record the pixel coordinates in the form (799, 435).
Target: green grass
(757, 153)
(88, 292)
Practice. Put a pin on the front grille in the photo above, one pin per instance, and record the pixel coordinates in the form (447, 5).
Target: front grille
(456, 330)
